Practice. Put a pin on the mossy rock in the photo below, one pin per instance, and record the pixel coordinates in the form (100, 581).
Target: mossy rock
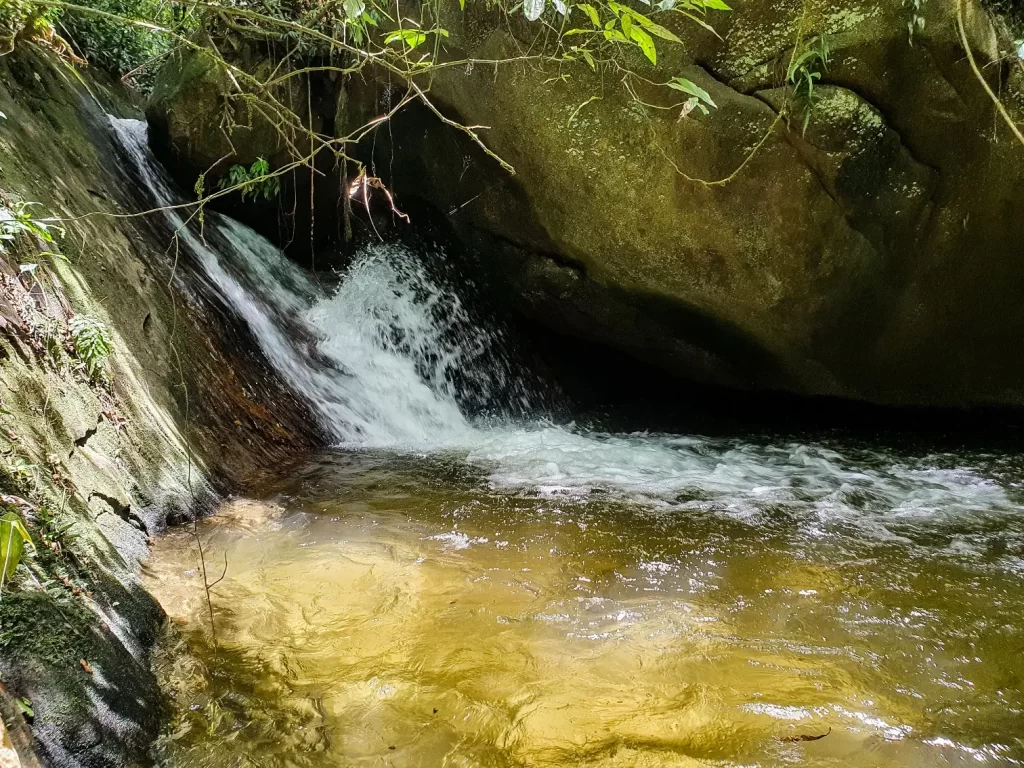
(869, 255)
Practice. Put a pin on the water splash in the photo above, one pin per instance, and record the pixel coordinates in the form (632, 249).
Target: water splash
(390, 359)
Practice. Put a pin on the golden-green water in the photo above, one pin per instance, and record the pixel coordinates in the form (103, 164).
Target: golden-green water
(794, 607)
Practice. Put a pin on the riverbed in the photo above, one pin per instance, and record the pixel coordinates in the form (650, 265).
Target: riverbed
(552, 596)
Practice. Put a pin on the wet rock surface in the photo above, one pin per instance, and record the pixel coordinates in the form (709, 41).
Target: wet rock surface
(187, 407)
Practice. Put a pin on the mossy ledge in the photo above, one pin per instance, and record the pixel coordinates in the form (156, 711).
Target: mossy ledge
(96, 465)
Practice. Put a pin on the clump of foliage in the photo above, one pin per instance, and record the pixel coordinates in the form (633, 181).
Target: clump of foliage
(620, 24)
(806, 69)
(406, 42)
(24, 19)
(14, 14)
(92, 343)
(124, 49)
(125, 38)
(255, 181)
(17, 219)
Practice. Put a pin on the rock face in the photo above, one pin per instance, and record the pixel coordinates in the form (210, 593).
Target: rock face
(198, 128)
(872, 255)
(188, 411)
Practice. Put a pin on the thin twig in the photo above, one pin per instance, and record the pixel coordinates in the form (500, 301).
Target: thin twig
(465, 129)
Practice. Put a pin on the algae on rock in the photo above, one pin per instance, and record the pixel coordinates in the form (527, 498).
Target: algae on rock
(105, 462)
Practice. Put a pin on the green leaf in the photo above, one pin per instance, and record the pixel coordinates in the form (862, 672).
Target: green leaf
(652, 28)
(627, 24)
(702, 23)
(25, 705)
(591, 12)
(13, 536)
(638, 17)
(692, 89)
(353, 8)
(716, 5)
(589, 59)
(693, 103)
(532, 9)
(800, 60)
(410, 37)
(659, 31)
(462, 5)
(645, 42)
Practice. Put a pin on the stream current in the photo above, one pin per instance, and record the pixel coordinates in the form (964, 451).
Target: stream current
(462, 582)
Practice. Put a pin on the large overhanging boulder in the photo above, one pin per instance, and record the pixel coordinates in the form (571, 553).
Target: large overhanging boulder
(875, 255)
(871, 252)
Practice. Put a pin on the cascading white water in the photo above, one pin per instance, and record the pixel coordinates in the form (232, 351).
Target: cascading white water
(378, 360)
(390, 360)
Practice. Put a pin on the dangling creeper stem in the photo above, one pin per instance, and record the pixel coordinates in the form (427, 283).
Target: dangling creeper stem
(977, 72)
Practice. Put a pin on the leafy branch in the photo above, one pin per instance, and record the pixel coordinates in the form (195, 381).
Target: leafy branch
(92, 342)
(17, 219)
(345, 37)
(254, 181)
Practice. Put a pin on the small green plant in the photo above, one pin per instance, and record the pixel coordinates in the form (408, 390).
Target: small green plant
(698, 96)
(92, 342)
(359, 20)
(14, 537)
(806, 69)
(53, 346)
(21, 472)
(253, 181)
(30, 268)
(25, 707)
(17, 219)
(55, 537)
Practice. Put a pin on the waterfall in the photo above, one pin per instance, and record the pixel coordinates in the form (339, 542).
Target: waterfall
(391, 358)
